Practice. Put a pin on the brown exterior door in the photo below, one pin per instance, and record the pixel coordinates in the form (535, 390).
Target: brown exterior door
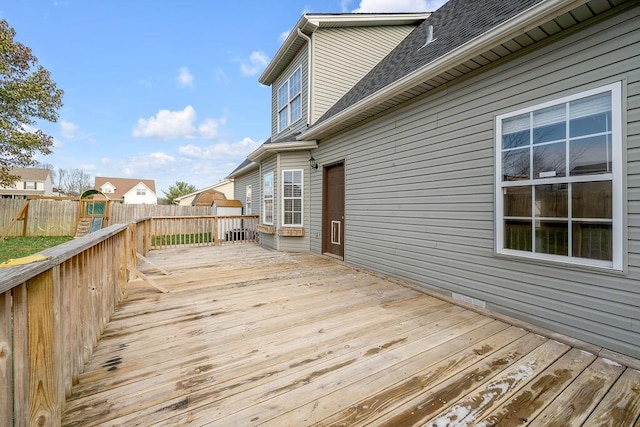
(333, 210)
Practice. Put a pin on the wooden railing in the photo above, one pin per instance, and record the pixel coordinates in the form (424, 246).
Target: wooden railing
(202, 230)
(52, 313)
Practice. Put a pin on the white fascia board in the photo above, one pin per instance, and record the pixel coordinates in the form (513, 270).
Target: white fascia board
(138, 185)
(242, 171)
(268, 149)
(309, 23)
(519, 24)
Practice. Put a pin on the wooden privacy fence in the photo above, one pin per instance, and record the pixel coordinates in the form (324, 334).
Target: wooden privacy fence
(202, 230)
(46, 217)
(120, 213)
(52, 313)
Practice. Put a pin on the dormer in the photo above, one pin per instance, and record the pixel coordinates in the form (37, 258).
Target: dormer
(108, 188)
(323, 57)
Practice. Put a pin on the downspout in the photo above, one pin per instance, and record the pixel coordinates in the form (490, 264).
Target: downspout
(308, 39)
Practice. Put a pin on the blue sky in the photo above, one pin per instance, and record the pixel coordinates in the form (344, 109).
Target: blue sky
(165, 90)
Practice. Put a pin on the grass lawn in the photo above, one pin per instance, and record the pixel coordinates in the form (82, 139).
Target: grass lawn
(17, 247)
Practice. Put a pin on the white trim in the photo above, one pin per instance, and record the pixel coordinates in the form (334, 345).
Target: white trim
(616, 178)
(290, 100)
(309, 23)
(273, 199)
(248, 200)
(301, 224)
(267, 149)
(519, 24)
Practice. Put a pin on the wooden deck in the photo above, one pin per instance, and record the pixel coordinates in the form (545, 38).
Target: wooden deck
(248, 336)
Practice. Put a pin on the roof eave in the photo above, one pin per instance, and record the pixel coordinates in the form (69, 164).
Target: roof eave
(309, 23)
(534, 16)
(242, 171)
(266, 150)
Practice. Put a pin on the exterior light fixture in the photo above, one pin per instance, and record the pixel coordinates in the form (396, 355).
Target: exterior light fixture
(312, 163)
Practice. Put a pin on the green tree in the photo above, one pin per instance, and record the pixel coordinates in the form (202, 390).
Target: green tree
(179, 189)
(27, 94)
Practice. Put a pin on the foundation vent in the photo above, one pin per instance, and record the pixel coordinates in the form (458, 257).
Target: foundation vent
(469, 300)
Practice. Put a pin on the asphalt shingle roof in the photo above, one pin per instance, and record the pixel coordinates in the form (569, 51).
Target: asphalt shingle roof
(454, 24)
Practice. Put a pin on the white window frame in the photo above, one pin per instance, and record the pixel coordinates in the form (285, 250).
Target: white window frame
(616, 178)
(248, 205)
(268, 194)
(287, 104)
(301, 198)
(141, 191)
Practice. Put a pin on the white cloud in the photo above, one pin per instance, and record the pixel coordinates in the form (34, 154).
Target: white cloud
(257, 61)
(221, 76)
(69, 129)
(283, 36)
(220, 150)
(209, 128)
(171, 125)
(185, 78)
(377, 6)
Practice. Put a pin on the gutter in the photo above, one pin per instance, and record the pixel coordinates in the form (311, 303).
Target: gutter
(309, 74)
(247, 168)
(310, 22)
(519, 24)
(267, 149)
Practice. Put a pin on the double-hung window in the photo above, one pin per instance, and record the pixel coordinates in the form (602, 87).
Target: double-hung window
(141, 192)
(267, 199)
(292, 197)
(559, 180)
(247, 200)
(290, 100)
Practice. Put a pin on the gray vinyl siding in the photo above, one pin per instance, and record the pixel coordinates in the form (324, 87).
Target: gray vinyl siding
(300, 60)
(295, 160)
(420, 189)
(270, 165)
(342, 56)
(240, 190)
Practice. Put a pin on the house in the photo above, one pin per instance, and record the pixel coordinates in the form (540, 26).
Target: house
(32, 182)
(128, 190)
(225, 187)
(493, 156)
(321, 59)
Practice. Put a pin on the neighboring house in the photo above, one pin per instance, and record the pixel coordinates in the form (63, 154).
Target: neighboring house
(128, 190)
(246, 180)
(321, 59)
(32, 182)
(225, 187)
(494, 156)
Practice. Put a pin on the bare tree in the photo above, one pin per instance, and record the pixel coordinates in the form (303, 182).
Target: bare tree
(74, 181)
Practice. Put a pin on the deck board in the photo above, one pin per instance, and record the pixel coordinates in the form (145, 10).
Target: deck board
(248, 336)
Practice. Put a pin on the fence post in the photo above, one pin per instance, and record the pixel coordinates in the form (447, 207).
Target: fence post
(45, 370)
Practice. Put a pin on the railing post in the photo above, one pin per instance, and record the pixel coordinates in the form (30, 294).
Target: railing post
(6, 361)
(46, 392)
(132, 239)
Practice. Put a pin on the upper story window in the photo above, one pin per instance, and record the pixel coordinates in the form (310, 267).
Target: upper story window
(559, 180)
(267, 198)
(30, 185)
(247, 201)
(290, 100)
(292, 197)
(141, 192)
